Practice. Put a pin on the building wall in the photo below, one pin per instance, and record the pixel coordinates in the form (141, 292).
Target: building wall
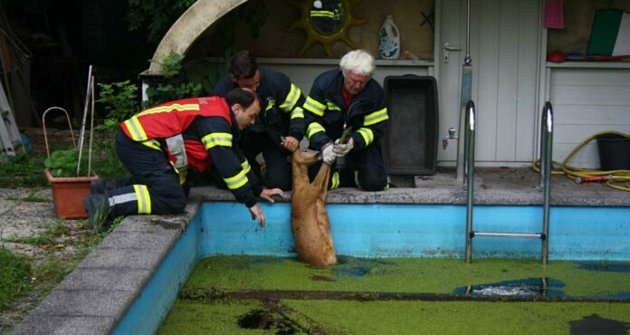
(587, 99)
(276, 39)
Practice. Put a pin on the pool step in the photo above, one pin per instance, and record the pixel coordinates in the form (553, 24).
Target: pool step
(517, 235)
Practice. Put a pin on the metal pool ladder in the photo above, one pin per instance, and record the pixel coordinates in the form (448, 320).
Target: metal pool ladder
(546, 140)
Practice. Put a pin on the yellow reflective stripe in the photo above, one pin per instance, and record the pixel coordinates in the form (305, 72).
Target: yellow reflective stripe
(298, 113)
(236, 181)
(334, 180)
(153, 144)
(292, 98)
(143, 198)
(313, 129)
(217, 139)
(322, 13)
(331, 106)
(172, 107)
(314, 106)
(367, 134)
(375, 117)
(270, 104)
(182, 176)
(135, 129)
(180, 172)
(246, 167)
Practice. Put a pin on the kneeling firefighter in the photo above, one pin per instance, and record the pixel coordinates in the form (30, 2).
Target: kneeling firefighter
(157, 145)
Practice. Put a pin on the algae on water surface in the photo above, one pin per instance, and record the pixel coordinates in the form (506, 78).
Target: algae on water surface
(238, 294)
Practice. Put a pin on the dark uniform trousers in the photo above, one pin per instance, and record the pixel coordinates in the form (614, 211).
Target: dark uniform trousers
(277, 172)
(156, 188)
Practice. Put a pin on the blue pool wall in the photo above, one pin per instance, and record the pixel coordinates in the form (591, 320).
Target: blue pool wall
(408, 230)
(152, 305)
(378, 230)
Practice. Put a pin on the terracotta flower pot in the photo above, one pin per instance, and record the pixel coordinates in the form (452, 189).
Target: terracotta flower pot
(68, 193)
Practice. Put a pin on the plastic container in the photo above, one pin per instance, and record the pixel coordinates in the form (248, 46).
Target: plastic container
(614, 152)
(389, 39)
(412, 103)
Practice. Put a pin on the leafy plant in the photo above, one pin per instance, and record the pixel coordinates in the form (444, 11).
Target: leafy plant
(120, 100)
(63, 163)
(176, 83)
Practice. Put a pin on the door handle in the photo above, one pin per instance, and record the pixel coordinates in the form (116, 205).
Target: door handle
(448, 48)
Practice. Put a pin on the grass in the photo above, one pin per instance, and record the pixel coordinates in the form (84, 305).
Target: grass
(25, 280)
(34, 277)
(31, 197)
(14, 277)
(22, 171)
(47, 237)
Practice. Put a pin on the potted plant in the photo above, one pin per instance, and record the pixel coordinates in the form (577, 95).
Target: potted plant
(68, 190)
(63, 168)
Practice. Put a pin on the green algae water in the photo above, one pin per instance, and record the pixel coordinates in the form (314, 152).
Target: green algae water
(270, 295)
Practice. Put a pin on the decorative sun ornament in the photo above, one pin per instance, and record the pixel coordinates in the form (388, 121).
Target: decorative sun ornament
(326, 22)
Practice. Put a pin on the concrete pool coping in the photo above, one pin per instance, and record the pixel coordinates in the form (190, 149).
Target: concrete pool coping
(94, 297)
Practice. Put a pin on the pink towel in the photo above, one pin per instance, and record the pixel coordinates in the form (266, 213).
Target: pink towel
(554, 14)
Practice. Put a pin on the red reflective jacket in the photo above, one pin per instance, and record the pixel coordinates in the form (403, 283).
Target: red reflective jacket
(173, 118)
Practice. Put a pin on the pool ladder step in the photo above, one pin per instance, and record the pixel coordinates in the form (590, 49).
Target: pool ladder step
(516, 235)
(546, 134)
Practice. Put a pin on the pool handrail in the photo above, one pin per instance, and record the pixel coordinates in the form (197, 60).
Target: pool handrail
(545, 181)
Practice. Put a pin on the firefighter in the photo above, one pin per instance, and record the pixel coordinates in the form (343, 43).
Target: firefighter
(157, 145)
(280, 125)
(349, 98)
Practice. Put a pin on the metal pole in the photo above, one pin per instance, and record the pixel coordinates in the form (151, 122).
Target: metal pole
(88, 93)
(467, 58)
(469, 153)
(547, 130)
(465, 96)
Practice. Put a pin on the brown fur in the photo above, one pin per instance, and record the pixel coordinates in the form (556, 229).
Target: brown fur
(309, 219)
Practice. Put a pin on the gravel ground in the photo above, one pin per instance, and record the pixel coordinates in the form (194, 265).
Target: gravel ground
(27, 213)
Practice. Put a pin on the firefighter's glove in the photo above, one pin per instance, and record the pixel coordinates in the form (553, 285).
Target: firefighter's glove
(341, 150)
(328, 155)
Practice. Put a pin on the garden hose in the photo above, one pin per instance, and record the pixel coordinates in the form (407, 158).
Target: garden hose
(617, 179)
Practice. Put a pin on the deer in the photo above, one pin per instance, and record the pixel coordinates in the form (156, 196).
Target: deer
(309, 220)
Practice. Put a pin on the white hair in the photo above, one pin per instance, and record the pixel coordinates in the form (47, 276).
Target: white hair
(358, 61)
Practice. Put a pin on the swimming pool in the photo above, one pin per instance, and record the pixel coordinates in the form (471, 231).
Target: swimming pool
(375, 231)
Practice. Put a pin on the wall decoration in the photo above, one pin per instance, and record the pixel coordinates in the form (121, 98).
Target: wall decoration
(326, 22)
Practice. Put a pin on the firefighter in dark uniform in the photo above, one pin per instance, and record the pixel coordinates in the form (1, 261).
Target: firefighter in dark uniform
(348, 98)
(157, 145)
(280, 125)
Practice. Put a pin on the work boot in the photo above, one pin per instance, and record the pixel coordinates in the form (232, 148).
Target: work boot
(98, 210)
(100, 186)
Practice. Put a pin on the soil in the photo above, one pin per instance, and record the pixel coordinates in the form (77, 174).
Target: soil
(25, 214)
